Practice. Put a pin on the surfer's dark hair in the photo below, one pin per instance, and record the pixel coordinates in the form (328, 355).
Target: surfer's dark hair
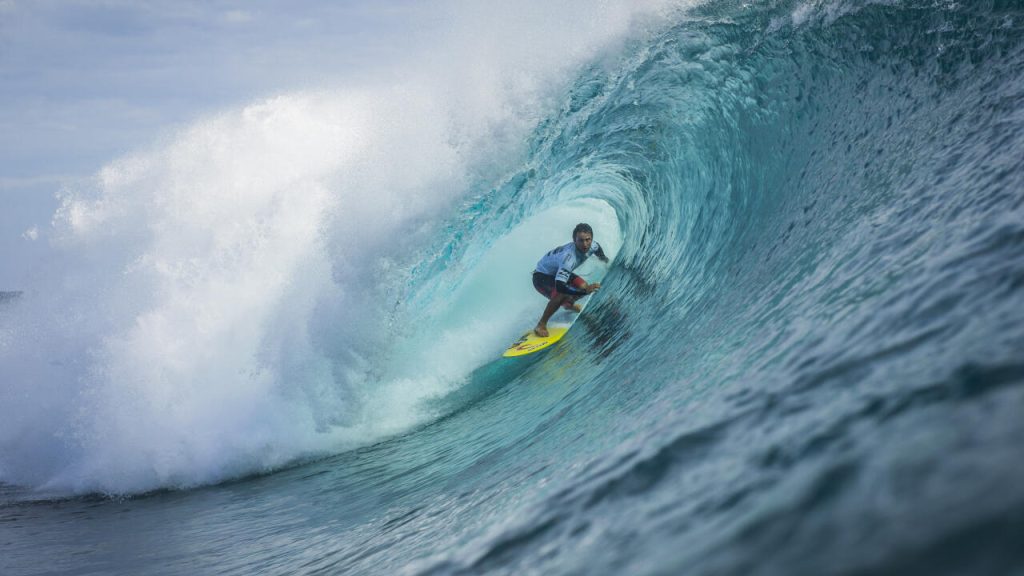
(581, 227)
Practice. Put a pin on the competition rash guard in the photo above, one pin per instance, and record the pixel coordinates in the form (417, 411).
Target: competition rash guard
(561, 261)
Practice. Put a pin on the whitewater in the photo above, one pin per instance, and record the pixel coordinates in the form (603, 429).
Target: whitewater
(270, 341)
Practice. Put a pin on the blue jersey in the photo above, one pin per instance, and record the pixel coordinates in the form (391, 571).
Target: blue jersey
(561, 261)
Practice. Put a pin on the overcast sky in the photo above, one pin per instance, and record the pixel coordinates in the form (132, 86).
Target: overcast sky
(83, 82)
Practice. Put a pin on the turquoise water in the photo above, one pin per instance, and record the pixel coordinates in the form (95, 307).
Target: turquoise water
(806, 357)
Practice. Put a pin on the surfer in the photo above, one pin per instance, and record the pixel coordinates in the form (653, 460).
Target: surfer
(554, 279)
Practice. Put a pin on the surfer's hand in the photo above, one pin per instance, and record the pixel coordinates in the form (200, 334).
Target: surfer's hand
(591, 288)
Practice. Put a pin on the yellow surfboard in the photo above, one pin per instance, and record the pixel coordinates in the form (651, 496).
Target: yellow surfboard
(558, 325)
(530, 342)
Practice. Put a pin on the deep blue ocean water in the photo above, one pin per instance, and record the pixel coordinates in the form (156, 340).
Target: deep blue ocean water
(806, 358)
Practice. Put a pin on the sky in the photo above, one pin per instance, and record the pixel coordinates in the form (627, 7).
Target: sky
(83, 82)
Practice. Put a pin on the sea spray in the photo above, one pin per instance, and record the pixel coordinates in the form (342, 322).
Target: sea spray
(223, 301)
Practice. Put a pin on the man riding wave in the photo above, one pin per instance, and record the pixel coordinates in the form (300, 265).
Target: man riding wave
(554, 278)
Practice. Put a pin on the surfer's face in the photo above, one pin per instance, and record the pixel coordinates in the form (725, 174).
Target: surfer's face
(583, 240)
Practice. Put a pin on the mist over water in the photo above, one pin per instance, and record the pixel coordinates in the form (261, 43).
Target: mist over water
(804, 359)
(223, 301)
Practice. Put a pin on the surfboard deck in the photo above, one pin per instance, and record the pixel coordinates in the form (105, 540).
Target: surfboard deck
(558, 325)
(529, 343)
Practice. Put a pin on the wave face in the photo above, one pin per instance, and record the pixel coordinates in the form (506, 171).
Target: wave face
(805, 358)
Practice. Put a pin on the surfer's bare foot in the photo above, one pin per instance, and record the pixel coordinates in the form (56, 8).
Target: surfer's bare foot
(541, 331)
(577, 308)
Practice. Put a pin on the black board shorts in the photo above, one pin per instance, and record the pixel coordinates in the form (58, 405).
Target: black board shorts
(545, 284)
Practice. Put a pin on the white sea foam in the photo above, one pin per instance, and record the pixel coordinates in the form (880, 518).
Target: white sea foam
(217, 304)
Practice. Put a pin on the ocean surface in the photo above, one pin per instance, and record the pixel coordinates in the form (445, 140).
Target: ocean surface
(271, 343)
